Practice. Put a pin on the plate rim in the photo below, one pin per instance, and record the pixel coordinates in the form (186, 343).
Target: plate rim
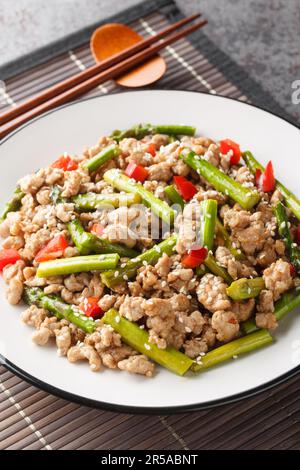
(148, 410)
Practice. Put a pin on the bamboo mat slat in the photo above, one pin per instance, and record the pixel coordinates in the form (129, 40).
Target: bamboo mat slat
(32, 419)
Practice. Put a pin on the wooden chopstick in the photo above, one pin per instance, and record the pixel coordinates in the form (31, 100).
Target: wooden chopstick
(91, 71)
(112, 72)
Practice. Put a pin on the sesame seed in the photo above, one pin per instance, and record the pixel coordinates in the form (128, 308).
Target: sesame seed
(118, 319)
(116, 274)
(234, 357)
(147, 346)
(125, 277)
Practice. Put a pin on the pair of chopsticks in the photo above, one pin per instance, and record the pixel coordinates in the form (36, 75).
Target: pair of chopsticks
(84, 81)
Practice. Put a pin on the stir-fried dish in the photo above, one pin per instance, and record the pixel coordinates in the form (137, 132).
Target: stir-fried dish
(153, 246)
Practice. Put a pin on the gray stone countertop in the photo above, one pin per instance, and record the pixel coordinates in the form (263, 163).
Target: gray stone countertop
(263, 36)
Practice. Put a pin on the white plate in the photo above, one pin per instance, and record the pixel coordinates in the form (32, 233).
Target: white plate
(77, 125)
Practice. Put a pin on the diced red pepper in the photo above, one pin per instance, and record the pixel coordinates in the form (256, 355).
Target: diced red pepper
(228, 145)
(8, 256)
(292, 270)
(298, 235)
(232, 320)
(137, 172)
(265, 180)
(151, 149)
(54, 249)
(185, 188)
(65, 163)
(97, 229)
(194, 257)
(90, 307)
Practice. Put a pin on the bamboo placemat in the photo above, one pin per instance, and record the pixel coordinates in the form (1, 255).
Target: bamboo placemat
(33, 419)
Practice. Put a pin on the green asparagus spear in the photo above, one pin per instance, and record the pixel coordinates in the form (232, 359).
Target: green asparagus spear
(114, 277)
(246, 197)
(108, 153)
(234, 348)
(141, 130)
(227, 240)
(208, 210)
(283, 306)
(120, 181)
(77, 264)
(93, 201)
(284, 232)
(138, 339)
(55, 305)
(216, 269)
(174, 196)
(13, 205)
(87, 243)
(292, 202)
(244, 288)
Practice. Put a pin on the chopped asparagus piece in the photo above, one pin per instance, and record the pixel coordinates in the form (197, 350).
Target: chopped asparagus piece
(174, 196)
(13, 205)
(216, 269)
(120, 181)
(208, 222)
(246, 197)
(60, 309)
(108, 153)
(234, 348)
(77, 264)
(117, 276)
(283, 306)
(87, 243)
(284, 232)
(141, 130)
(138, 339)
(227, 240)
(93, 201)
(243, 289)
(292, 202)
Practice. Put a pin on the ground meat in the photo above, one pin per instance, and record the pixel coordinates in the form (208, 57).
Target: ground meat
(11, 225)
(65, 211)
(132, 308)
(43, 196)
(120, 234)
(46, 330)
(211, 293)
(160, 171)
(226, 325)
(107, 302)
(34, 316)
(73, 180)
(137, 365)
(111, 356)
(243, 309)
(266, 320)
(32, 183)
(278, 278)
(85, 352)
(192, 323)
(235, 268)
(13, 276)
(63, 340)
(13, 242)
(210, 194)
(103, 338)
(194, 347)
(245, 177)
(236, 219)
(34, 242)
(212, 155)
(163, 265)
(180, 303)
(268, 254)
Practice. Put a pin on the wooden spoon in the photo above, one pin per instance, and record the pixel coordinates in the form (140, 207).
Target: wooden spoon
(112, 38)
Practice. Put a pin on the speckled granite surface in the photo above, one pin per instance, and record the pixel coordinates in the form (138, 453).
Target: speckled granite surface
(261, 35)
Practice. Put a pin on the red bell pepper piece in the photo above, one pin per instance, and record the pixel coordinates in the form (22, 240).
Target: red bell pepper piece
(194, 257)
(54, 249)
(65, 163)
(9, 256)
(186, 189)
(90, 307)
(151, 149)
(292, 270)
(228, 145)
(298, 235)
(97, 229)
(265, 180)
(137, 172)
